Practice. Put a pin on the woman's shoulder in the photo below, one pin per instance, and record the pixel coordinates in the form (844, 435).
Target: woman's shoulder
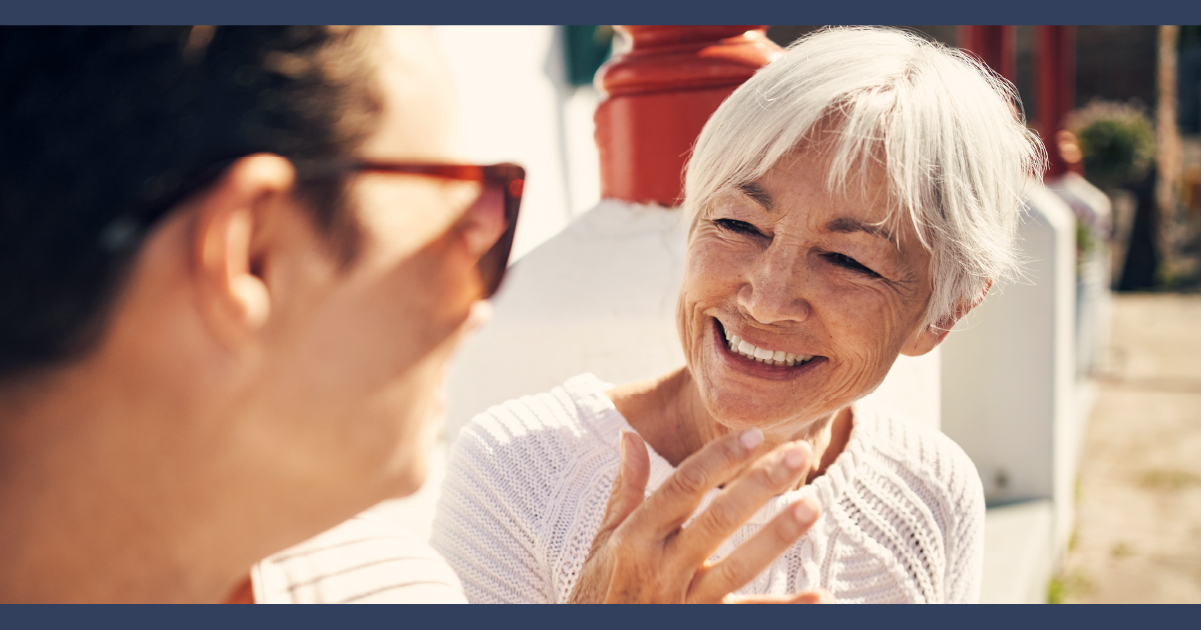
(516, 478)
(930, 462)
(568, 416)
(510, 470)
(541, 434)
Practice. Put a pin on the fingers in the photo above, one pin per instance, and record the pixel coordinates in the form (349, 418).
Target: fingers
(771, 475)
(629, 487)
(753, 556)
(817, 596)
(679, 496)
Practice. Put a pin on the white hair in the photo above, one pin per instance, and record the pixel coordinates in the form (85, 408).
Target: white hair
(949, 132)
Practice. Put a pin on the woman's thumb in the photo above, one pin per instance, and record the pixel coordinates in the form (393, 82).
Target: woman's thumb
(629, 488)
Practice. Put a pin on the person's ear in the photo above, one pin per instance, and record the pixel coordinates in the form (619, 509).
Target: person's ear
(229, 251)
(928, 337)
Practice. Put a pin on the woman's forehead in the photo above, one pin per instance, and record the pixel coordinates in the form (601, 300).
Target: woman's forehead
(812, 176)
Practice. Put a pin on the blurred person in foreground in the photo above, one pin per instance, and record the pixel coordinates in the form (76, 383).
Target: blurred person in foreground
(234, 264)
(848, 204)
(227, 298)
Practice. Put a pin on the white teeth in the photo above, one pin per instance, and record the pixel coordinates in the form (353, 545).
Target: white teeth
(769, 357)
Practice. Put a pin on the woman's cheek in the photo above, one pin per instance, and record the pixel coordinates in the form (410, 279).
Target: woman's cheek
(867, 325)
(716, 262)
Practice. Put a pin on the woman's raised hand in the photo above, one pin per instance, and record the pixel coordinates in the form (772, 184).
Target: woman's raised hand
(643, 554)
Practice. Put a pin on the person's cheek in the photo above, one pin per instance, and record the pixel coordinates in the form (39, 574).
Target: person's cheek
(484, 222)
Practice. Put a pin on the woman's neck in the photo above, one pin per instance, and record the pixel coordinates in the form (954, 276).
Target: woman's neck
(669, 414)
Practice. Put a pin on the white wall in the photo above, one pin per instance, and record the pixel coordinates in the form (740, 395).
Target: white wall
(1008, 378)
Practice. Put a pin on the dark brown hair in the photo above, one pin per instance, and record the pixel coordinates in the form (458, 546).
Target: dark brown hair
(104, 129)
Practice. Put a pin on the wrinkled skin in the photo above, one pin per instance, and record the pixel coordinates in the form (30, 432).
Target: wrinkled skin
(786, 265)
(642, 554)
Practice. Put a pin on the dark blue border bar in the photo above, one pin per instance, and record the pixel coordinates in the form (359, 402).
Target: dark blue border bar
(601, 11)
(598, 617)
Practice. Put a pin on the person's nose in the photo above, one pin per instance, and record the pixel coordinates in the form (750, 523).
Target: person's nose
(775, 286)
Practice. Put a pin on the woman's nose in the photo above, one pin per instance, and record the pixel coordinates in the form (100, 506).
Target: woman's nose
(775, 287)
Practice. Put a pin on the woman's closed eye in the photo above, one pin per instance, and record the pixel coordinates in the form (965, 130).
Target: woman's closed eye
(846, 262)
(740, 227)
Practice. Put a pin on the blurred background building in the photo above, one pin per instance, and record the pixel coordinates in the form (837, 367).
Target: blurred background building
(598, 253)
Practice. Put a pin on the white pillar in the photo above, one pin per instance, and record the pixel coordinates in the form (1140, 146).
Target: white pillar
(1008, 378)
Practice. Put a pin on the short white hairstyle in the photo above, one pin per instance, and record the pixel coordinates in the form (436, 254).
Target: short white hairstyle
(949, 132)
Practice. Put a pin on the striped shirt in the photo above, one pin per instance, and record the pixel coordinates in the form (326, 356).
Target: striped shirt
(369, 559)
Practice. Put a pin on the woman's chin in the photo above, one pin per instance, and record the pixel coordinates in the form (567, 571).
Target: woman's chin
(738, 411)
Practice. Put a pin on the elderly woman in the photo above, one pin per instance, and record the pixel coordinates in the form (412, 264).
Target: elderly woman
(848, 204)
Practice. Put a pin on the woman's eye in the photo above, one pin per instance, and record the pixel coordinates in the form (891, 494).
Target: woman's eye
(741, 227)
(842, 260)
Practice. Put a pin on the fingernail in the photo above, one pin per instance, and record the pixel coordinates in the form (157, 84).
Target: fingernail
(751, 438)
(795, 457)
(804, 511)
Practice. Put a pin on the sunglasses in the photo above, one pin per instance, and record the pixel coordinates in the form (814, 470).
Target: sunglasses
(505, 181)
(497, 181)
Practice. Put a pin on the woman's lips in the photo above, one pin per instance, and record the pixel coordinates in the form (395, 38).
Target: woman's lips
(763, 355)
(744, 355)
(766, 356)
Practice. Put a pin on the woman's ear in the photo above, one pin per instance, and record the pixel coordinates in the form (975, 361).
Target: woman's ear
(928, 337)
(229, 250)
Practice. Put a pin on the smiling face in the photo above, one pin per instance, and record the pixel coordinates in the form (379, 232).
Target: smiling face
(810, 284)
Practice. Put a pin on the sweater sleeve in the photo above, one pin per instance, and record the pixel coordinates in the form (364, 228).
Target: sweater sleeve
(489, 544)
(965, 540)
(501, 473)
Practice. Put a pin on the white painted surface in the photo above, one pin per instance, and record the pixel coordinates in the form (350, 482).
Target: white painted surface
(599, 297)
(1017, 553)
(1094, 210)
(1008, 378)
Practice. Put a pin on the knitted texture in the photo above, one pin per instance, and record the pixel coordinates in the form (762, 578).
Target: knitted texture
(528, 481)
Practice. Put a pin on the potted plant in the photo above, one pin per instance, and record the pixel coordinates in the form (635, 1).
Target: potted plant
(1117, 145)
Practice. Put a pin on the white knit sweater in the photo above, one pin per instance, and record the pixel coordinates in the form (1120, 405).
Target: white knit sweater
(528, 481)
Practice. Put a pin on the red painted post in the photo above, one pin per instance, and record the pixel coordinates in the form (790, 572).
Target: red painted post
(994, 45)
(658, 96)
(1055, 87)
